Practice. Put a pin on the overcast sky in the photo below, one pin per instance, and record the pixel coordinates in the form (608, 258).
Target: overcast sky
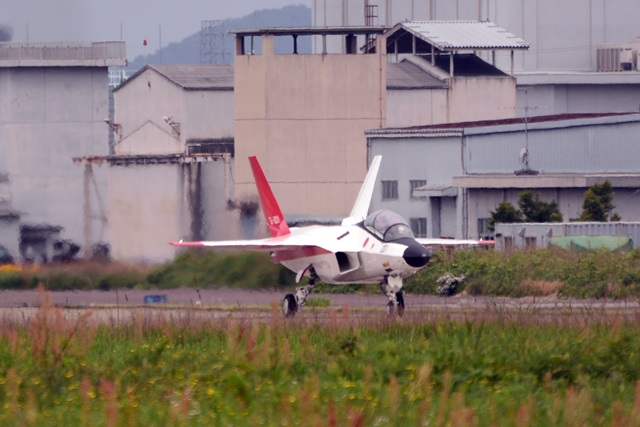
(102, 20)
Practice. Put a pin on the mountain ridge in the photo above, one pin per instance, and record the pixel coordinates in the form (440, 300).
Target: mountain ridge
(219, 49)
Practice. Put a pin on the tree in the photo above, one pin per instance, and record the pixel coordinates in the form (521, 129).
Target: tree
(597, 205)
(536, 210)
(506, 213)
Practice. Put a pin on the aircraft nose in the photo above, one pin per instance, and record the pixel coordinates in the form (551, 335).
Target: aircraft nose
(416, 255)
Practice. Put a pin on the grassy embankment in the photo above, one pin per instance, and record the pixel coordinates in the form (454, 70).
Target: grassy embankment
(495, 368)
(593, 274)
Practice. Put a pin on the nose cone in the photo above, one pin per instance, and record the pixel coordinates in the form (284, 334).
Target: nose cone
(416, 255)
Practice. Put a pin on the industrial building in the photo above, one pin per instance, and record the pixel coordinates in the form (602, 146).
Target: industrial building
(384, 78)
(55, 97)
(564, 34)
(583, 56)
(171, 171)
(446, 179)
(305, 116)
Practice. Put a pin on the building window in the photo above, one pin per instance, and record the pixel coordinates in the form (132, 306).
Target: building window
(416, 183)
(418, 226)
(389, 190)
(483, 229)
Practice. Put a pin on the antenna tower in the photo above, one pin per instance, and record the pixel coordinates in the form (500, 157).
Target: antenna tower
(212, 42)
(524, 152)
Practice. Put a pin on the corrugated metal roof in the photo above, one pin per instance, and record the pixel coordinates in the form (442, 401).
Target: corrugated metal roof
(193, 77)
(457, 35)
(511, 121)
(198, 76)
(405, 75)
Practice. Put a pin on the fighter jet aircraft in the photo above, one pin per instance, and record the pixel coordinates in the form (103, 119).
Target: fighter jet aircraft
(377, 247)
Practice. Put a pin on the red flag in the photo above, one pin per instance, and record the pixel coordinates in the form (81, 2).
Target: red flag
(144, 43)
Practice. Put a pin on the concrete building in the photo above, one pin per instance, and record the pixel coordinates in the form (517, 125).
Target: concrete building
(445, 80)
(171, 172)
(564, 34)
(448, 178)
(9, 219)
(304, 116)
(583, 56)
(53, 100)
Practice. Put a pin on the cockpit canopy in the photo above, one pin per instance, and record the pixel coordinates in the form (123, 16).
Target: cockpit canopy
(388, 225)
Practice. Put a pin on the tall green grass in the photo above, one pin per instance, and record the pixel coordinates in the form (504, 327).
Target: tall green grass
(591, 274)
(493, 369)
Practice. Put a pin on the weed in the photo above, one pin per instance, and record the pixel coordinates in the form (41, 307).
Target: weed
(498, 368)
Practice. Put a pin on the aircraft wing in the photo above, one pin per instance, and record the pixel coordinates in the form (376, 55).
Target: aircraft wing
(265, 245)
(453, 242)
(297, 240)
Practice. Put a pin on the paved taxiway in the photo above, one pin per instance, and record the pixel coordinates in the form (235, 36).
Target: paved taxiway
(210, 304)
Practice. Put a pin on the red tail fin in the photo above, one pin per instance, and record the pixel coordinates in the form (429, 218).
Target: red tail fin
(272, 213)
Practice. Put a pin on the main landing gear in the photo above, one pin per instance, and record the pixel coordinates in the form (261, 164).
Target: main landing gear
(391, 288)
(291, 302)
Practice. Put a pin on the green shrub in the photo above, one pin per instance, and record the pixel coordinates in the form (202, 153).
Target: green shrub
(11, 280)
(216, 269)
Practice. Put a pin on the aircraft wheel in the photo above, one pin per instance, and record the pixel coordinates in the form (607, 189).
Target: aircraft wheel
(289, 305)
(396, 308)
(390, 309)
(400, 299)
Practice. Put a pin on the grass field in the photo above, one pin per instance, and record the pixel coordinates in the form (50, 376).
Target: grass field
(490, 367)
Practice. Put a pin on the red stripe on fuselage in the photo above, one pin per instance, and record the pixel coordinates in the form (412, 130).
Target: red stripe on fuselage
(301, 252)
(186, 243)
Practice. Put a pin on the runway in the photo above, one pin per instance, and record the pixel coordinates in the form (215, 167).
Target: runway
(191, 306)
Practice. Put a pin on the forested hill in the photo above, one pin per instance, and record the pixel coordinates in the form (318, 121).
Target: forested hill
(188, 51)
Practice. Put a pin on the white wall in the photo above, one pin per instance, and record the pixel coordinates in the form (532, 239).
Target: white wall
(149, 97)
(304, 117)
(47, 116)
(563, 34)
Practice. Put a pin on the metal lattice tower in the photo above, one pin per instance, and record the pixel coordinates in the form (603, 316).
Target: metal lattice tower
(212, 42)
(370, 14)
(370, 19)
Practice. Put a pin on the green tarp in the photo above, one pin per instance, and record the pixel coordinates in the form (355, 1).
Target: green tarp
(583, 243)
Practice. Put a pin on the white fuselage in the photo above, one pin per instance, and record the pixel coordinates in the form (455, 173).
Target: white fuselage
(356, 255)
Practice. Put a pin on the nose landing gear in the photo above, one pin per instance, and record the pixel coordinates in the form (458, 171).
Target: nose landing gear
(391, 288)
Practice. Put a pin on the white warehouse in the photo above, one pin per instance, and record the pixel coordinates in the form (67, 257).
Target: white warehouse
(448, 178)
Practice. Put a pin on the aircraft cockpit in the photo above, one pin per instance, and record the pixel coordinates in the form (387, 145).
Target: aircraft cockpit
(388, 226)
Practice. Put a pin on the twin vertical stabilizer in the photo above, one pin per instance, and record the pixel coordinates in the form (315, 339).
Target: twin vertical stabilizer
(270, 208)
(360, 208)
(273, 215)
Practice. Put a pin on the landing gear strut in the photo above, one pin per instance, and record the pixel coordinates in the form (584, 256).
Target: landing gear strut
(391, 288)
(292, 302)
